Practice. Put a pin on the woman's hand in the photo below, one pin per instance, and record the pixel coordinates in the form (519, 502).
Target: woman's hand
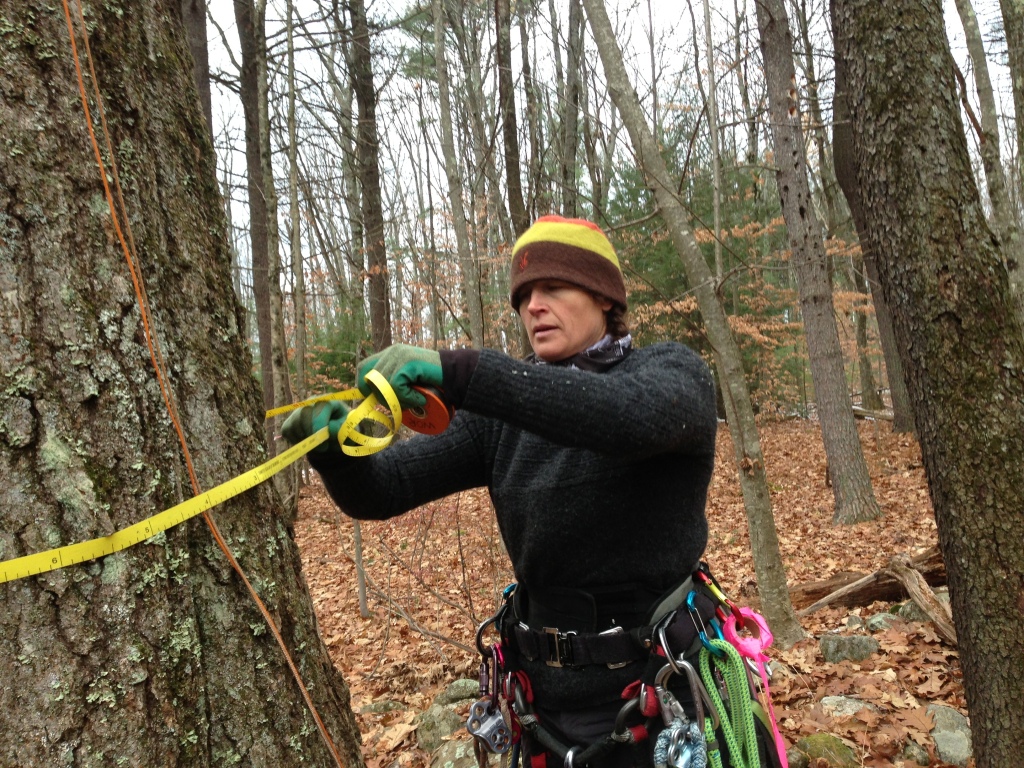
(404, 366)
(310, 419)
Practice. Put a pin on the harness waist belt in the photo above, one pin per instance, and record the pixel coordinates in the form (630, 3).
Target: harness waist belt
(614, 647)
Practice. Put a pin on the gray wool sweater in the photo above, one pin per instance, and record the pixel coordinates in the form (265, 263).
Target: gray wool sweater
(597, 479)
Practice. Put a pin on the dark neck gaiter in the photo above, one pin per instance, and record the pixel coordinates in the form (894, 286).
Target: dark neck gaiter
(596, 359)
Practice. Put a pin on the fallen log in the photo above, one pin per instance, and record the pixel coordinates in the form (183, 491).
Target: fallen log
(856, 589)
(900, 568)
(864, 413)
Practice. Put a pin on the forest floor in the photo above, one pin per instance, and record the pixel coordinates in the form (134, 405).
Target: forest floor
(438, 571)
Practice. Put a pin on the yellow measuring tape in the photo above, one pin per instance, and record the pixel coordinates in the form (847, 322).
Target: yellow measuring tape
(352, 443)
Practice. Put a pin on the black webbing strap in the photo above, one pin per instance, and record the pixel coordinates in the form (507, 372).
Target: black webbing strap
(572, 649)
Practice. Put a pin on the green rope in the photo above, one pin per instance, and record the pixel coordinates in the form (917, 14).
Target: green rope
(738, 726)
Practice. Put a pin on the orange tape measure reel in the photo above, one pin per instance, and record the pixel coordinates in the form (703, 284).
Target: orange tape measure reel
(432, 418)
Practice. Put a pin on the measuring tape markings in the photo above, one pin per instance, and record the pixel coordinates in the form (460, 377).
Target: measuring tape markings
(352, 442)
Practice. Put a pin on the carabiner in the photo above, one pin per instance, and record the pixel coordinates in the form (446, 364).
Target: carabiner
(702, 631)
(485, 650)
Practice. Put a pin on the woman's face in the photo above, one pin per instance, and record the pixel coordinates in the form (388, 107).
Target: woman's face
(561, 318)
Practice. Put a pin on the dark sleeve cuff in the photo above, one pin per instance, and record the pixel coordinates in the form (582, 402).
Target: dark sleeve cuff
(457, 366)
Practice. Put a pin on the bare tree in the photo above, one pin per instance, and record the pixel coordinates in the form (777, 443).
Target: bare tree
(509, 124)
(1003, 219)
(368, 162)
(451, 167)
(771, 576)
(847, 470)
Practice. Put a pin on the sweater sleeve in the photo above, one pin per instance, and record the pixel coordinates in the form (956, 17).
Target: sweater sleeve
(408, 473)
(659, 399)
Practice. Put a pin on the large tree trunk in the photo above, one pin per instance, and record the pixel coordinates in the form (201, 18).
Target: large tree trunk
(851, 483)
(771, 575)
(155, 655)
(368, 160)
(962, 345)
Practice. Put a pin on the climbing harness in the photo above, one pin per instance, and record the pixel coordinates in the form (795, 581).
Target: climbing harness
(696, 621)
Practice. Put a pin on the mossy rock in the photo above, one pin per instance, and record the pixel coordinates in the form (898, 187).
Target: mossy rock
(830, 748)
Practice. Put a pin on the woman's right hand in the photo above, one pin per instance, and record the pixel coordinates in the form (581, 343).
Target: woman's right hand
(310, 419)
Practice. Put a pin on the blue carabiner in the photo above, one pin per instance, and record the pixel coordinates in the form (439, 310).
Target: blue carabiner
(702, 631)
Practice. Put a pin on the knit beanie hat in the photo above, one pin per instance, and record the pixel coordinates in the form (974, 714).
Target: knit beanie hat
(573, 250)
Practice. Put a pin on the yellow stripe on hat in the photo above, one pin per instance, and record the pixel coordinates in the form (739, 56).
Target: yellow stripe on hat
(575, 232)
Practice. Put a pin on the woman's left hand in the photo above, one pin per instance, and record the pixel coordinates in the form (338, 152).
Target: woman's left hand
(404, 366)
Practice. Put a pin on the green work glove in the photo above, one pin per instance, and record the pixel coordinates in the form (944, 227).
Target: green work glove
(404, 366)
(312, 418)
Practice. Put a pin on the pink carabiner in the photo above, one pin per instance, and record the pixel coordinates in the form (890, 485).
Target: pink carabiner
(753, 645)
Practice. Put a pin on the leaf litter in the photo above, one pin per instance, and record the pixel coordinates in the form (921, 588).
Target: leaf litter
(434, 574)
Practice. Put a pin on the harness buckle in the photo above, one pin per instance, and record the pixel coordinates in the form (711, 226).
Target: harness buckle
(559, 647)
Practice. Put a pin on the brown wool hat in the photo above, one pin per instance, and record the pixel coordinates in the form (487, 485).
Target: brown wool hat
(573, 250)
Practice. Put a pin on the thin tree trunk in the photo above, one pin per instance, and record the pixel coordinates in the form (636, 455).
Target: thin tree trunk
(250, 33)
(470, 270)
(870, 397)
(570, 110)
(367, 154)
(1003, 219)
(846, 175)
(771, 576)
(155, 655)
(962, 345)
(826, 167)
(716, 153)
(286, 481)
(295, 238)
(193, 14)
(1013, 28)
(847, 469)
(538, 195)
(509, 124)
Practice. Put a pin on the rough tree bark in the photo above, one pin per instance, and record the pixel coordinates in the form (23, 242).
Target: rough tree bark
(155, 655)
(962, 345)
(847, 469)
(764, 542)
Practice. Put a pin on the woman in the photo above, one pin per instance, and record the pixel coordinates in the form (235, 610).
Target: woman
(597, 457)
